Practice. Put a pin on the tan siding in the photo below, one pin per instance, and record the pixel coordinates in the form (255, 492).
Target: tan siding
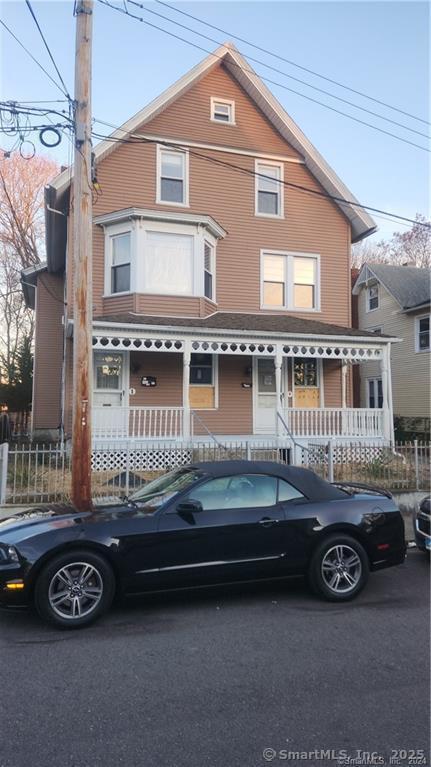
(332, 383)
(167, 368)
(174, 306)
(49, 345)
(410, 370)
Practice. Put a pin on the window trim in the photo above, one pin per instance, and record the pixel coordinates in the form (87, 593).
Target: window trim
(368, 308)
(275, 164)
(289, 256)
(185, 153)
(111, 232)
(212, 245)
(418, 318)
(230, 102)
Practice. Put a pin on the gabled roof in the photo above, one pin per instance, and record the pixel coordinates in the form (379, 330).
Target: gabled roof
(361, 223)
(29, 282)
(409, 286)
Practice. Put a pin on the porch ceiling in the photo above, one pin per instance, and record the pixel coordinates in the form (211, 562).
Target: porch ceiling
(238, 334)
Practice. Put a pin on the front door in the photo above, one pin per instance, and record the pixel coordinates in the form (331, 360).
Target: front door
(265, 397)
(109, 393)
(306, 381)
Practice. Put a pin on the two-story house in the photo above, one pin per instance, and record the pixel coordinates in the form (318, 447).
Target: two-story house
(221, 277)
(395, 301)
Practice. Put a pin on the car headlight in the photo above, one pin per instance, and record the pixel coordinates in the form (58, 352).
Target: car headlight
(8, 554)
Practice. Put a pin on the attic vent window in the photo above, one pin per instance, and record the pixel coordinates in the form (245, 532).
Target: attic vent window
(223, 111)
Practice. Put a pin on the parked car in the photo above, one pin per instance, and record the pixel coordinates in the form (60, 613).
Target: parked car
(201, 524)
(422, 520)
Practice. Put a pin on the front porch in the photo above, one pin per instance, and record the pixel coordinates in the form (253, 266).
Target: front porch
(176, 384)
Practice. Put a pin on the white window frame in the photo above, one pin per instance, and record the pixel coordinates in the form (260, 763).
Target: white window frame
(227, 102)
(111, 232)
(289, 257)
(374, 380)
(257, 164)
(418, 350)
(368, 308)
(209, 241)
(185, 153)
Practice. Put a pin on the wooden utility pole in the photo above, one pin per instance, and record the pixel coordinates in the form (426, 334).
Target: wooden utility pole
(82, 254)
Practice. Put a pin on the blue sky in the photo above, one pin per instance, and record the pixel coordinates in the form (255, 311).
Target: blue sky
(381, 48)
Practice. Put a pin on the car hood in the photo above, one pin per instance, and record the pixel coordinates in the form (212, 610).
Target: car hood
(35, 520)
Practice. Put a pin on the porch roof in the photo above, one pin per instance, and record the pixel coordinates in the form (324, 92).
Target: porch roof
(280, 324)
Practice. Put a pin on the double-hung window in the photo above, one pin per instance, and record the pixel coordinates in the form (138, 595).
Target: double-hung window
(375, 392)
(209, 270)
(120, 263)
(269, 189)
(372, 297)
(290, 281)
(223, 111)
(201, 369)
(423, 334)
(172, 177)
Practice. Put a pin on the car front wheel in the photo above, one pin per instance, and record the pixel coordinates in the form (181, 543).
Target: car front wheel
(339, 568)
(74, 589)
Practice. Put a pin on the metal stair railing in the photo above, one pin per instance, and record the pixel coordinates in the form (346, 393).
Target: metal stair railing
(208, 431)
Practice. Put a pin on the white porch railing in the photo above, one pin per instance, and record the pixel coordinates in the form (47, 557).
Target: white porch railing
(137, 422)
(117, 422)
(334, 422)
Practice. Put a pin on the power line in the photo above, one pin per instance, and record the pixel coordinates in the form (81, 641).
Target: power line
(66, 92)
(285, 74)
(137, 139)
(292, 63)
(31, 55)
(266, 79)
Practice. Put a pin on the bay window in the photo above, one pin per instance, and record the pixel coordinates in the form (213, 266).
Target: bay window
(290, 281)
(168, 263)
(269, 189)
(172, 177)
(208, 270)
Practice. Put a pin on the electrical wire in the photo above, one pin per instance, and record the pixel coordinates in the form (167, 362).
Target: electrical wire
(66, 92)
(285, 74)
(31, 55)
(137, 139)
(292, 63)
(266, 79)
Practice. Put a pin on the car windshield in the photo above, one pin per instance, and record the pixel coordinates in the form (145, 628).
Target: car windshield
(154, 494)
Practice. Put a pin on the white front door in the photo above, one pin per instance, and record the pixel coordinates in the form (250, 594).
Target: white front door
(109, 393)
(265, 397)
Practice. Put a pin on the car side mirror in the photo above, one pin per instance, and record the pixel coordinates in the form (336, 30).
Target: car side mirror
(189, 507)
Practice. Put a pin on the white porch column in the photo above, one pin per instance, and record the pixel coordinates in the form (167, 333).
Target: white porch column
(344, 384)
(387, 405)
(390, 400)
(278, 362)
(186, 387)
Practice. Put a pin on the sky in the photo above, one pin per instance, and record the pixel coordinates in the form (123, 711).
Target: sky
(379, 48)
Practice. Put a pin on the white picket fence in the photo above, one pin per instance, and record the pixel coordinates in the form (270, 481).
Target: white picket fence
(31, 473)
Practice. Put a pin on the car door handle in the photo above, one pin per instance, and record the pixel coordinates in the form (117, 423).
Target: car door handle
(268, 522)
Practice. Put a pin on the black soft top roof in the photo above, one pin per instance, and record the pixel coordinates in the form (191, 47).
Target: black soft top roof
(306, 481)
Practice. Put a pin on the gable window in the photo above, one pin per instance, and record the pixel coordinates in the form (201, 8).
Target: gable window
(223, 111)
(269, 189)
(168, 263)
(290, 281)
(375, 392)
(120, 263)
(423, 334)
(372, 297)
(208, 270)
(172, 177)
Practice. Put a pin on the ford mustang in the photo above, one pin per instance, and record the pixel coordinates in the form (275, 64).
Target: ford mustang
(201, 524)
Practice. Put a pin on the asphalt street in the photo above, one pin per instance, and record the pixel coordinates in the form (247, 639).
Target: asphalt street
(215, 676)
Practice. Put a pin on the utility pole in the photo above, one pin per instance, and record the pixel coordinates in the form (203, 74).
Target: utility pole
(82, 255)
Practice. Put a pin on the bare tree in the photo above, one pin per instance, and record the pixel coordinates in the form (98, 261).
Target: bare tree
(22, 184)
(412, 247)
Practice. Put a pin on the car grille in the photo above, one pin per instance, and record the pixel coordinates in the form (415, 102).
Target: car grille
(424, 523)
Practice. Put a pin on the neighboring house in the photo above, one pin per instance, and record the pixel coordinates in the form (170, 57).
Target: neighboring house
(221, 295)
(395, 301)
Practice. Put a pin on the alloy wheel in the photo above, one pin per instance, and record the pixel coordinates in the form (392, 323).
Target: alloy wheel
(341, 569)
(75, 590)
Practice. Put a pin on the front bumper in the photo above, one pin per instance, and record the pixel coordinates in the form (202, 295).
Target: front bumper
(422, 531)
(13, 587)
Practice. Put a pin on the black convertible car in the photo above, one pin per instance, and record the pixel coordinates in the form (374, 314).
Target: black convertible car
(200, 524)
